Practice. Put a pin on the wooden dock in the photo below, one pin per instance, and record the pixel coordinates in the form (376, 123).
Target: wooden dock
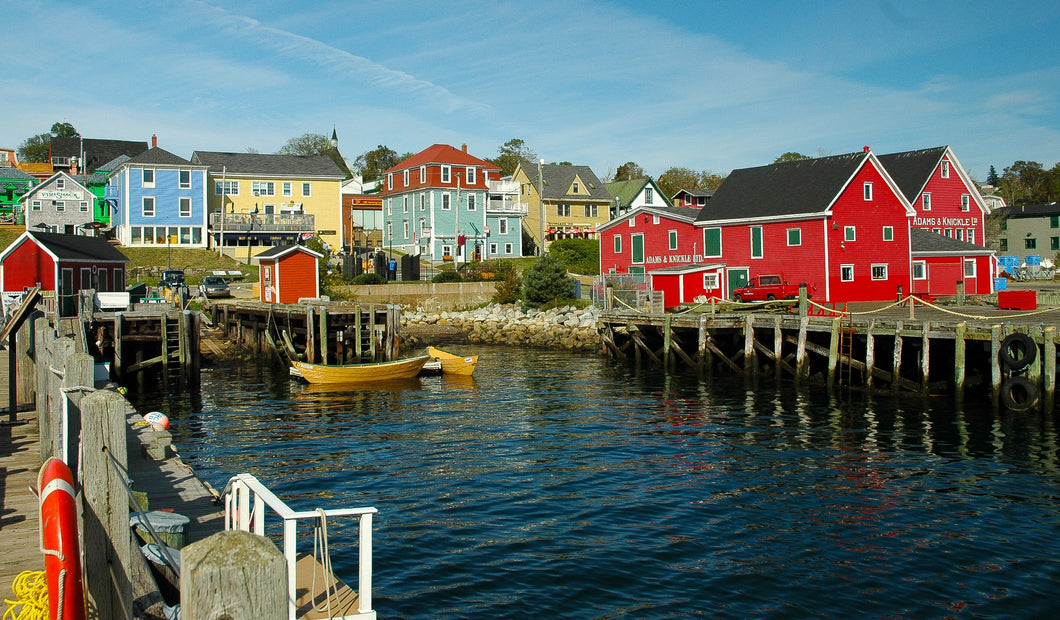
(19, 521)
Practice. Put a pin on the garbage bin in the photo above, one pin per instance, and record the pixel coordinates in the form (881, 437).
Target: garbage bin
(170, 527)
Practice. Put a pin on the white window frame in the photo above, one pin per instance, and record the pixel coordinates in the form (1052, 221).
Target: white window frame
(447, 201)
(288, 189)
(632, 222)
(591, 211)
(919, 268)
(180, 179)
(60, 205)
(181, 202)
(262, 188)
(34, 205)
(888, 233)
(850, 233)
(307, 189)
(798, 234)
(447, 174)
(423, 174)
(405, 228)
(710, 281)
(966, 202)
(83, 206)
(471, 202)
(390, 180)
(469, 175)
(875, 271)
(969, 268)
(406, 175)
(225, 188)
(925, 201)
(671, 236)
(761, 242)
(618, 244)
(971, 235)
(945, 172)
(649, 196)
(846, 273)
(60, 183)
(502, 226)
(866, 189)
(405, 203)
(508, 248)
(144, 174)
(144, 211)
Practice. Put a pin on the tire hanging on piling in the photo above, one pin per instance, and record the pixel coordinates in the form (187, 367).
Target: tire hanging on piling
(1018, 351)
(1019, 394)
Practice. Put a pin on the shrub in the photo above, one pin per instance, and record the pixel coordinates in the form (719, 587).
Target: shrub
(447, 276)
(579, 255)
(547, 281)
(509, 286)
(370, 278)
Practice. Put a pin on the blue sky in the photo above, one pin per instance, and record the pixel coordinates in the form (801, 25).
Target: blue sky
(703, 85)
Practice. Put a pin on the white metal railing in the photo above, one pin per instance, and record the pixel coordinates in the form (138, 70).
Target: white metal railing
(245, 501)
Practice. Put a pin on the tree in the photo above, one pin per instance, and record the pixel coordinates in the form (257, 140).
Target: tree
(509, 287)
(372, 164)
(790, 156)
(511, 153)
(1025, 182)
(991, 177)
(546, 281)
(629, 171)
(578, 255)
(35, 149)
(64, 130)
(306, 145)
(710, 180)
(676, 179)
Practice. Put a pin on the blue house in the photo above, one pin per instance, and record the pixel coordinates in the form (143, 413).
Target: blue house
(158, 198)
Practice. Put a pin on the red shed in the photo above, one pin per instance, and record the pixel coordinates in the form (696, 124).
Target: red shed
(650, 238)
(940, 263)
(684, 283)
(62, 263)
(288, 273)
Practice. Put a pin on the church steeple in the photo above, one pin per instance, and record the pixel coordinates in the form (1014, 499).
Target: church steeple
(334, 138)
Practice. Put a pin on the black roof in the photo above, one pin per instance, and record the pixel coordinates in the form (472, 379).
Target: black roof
(268, 165)
(922, 241)
(280, 250)
(911, 170)
(97, 152)
(803, 187)
(1042, 210)
(79, 247)
(157, 156)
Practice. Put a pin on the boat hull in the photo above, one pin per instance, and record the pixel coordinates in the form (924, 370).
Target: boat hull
(454, 364)
(355, 373)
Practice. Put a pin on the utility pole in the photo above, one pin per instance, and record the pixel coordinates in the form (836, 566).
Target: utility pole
(540, 209)
(221, 233)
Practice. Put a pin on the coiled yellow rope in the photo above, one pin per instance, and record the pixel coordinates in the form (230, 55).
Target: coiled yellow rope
(31, 594)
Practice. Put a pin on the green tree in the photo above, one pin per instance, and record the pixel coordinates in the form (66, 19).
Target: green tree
(35, 149)
(578, 255)
(307, 145)
(372, 164)
(1025, 182)
(509, 286)
(64, 130)
(710, 180)
(991, 177)
(511, 153)
(676, 179)
(790, 156)
(629, 171)
(546, 281)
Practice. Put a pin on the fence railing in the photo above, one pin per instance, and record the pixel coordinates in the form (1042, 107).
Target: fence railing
(245, 501)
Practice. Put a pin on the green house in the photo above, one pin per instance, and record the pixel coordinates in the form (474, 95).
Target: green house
(13, 184)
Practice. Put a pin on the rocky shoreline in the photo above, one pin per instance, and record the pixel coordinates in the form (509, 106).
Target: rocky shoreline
(569, 328)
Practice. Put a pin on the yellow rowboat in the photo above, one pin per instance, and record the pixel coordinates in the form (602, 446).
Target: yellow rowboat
(351, 373)
(454, 364)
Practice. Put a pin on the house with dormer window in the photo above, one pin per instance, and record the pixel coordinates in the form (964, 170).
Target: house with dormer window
(446, 204)
(563, 201)
(635, 193)
(159, 198)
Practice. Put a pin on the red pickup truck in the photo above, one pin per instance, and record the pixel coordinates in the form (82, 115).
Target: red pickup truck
(766, 288)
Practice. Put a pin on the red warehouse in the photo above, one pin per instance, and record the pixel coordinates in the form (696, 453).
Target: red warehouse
(288, 273)
(62, 263)
(649, 238)
(941, 263)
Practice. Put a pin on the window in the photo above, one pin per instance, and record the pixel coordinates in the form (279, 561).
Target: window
(288, 191)
(493, 249)
(1054, 221)
(925, 202)
(969, 267)
(445, 202)
(971, 235)
(879, 271)
(888, 233)
(470, 175)
(263, 188)
(35, 205)
(185, 207)
(756, 242)
(1002, 244)
(710, 281)
(563, 210)
(423, 201)
(390, 180)
(508, 248)
(919, 270)
(446, 174)
(618, 244)
(405, 228)
(850, 233)
(307, 189)
(655, 220)
(948, 232)
(1004, 224)
(794, 237)
(701, 201)
(405, 203)
(423, 174)
(867, 187)
(575, 188)
(405, 177)
(185, 179)
(148, 177)
(502, 226)
(591, 210)
(148, 208)
(945, 169)
(632, 221)
(390, 206)
(649, 196)
(1054, 243)
(712, 242)
(846, 273)
(60, 183)
(226, 188)
(960, 234)
(1030, 244)
(965, 202)
(60, 205)
(673, 239)
(83, 206)
(471, 202)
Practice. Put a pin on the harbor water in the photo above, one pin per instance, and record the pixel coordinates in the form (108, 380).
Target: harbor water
(563, 485)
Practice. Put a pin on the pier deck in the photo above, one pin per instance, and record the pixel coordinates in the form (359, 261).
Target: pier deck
(19, 465)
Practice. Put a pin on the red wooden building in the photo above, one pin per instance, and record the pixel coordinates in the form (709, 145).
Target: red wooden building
(650, 238)
(685, 283)
(288, 273)
(62, 263)
(941, 263)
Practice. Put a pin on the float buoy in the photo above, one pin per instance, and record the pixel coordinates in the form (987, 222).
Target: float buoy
(58, 533)
(1018, 351)
(1019, 394)
(157, 418)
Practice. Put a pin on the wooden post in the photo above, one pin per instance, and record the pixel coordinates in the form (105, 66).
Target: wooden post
(778, 346)
(960, 292)
(1034, 371)
(42, 352)
(358, 329)
(925, 357)
(26, 379)
(833, 351)
(372, 349)
(119, 371)
(1049, 353)
(196, 354)
(702, 340)
(323, 335)
(995, 363)
(107, 543)
(897, 355)
(870, 352)
(804, 301)
(310, 337)
(959, 360)
(749, 365)
(802, 360)
(165, 346)
(233, 574)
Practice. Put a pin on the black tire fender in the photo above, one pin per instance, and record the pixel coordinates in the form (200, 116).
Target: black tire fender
(1019, 394)
(1018, 351)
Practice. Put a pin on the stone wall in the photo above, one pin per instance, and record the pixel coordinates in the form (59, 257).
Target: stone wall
(561, 328)
(429, 295)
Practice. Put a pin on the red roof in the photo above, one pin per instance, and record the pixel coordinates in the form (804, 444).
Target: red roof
(443, 154)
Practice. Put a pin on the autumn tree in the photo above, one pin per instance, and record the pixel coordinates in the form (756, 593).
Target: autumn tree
(629, 171)
(307, 145)
(676, 179)
(372, 164)
(790, 156)
(511, 153)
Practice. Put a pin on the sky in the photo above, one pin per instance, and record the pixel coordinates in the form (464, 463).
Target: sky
(708, 86)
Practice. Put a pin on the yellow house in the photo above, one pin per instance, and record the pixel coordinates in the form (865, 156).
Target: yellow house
(574, 203)
(271, 200)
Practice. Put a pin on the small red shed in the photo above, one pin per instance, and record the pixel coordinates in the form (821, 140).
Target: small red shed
(684, 283)
(62, 263)
(288, 273)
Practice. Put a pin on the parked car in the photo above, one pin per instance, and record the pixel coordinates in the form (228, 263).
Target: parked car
(766, 288)
(172, 278)
(214, 286)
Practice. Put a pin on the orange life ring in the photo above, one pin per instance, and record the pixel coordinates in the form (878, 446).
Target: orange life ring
(58, 531)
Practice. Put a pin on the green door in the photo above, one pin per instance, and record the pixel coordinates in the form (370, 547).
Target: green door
(637, 257)
(738, 276)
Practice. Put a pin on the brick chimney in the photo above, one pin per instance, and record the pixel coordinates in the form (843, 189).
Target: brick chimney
(463, 147)
(154, 140)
